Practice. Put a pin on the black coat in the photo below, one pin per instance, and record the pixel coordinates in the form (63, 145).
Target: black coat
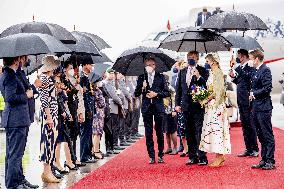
(159, 86)
(16, 112)
(183, 96)
(261, 88)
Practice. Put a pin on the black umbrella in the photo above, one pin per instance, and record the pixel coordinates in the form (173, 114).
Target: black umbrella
(84, 45)
(131, 62)
(243, 42)
(34, 65)
(30, 44)
(101, 59)
(54, 30)
(191, 38)
(233, 20)
(99, 42)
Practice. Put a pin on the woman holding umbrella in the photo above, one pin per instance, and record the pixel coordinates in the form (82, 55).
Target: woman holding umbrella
(49, 109)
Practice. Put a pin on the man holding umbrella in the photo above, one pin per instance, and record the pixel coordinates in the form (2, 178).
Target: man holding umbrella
(153, 88)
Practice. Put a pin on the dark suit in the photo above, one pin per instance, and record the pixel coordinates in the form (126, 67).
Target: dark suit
(217, 12)
(199, 18)
(16, 120)
(193, 112)
(153, 107)
(243, 82)
(262, 112)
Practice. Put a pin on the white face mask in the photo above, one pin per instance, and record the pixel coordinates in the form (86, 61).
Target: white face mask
(250, 63)
(71, 72)
(149, 69)
(100, 84)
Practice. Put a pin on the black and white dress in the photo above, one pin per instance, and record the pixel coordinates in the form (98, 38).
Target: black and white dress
(48, 135)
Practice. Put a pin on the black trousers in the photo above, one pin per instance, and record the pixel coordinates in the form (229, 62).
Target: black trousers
(193, 130)
(16, 139)
(148, 123)
(135, 116)
(249, 130)
(122, 125)
(126, 126)
(262, 121)
(115, 126)
(108, 134)
(86, 140)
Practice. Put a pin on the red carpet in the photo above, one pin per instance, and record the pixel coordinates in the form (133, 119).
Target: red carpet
(130, 169)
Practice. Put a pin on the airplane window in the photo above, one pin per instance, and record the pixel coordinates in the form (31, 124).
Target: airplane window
(161, 36)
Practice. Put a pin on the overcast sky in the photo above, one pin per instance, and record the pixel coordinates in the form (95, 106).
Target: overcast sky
(122, 23)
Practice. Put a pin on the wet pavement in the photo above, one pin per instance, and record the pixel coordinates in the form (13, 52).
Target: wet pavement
(33, 168)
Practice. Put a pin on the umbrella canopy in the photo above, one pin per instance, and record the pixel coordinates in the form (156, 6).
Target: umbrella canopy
(99, 69)
(131, 62)
(191, 38)
(243, 42)
(84, 45)
(34, 65)
(99, 42)
(101, 59)
(54, 30)
(233, 20)
(30, 44)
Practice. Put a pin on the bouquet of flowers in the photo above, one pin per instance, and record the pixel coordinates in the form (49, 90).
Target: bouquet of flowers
(200, 93)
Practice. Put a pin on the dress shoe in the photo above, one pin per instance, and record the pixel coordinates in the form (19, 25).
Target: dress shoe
(118, 148)
(57, 175)
(63, 172)
(254, 154)
(124, 144)
(180, 149)
(90, 160)
(130, 141)
(98, 157)
(258, 166)
(183, 155)
(22, 186)
(134, 138)
(244, 154)
(28, 184)
(161, 160)
(174, 152)
(81, 164)
(202, 162)
(139, 135)
(219, 161)
(168, 151)
(152, 161)
(268, 166)
(49, 180)
(191, 162)
(115, 152)
(69, 167)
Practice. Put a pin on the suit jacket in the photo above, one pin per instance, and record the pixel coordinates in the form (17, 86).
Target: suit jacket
(16, 112)
(126, 94)
(217, 12)
(159, 86)
(199, 18)
(114, 99)
(243, 82)
(261, 88)
(88, 97)
(31, 101)
(183, 96)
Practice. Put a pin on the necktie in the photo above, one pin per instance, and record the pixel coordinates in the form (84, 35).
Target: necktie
(188, 76)
(150, 80)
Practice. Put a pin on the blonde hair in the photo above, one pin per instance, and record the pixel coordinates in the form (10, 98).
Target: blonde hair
(214, 57)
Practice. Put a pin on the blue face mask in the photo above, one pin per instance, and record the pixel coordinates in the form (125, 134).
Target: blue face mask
(28, 63)
(207, 66)
(191, 62)
(175, 70)
(238, 60)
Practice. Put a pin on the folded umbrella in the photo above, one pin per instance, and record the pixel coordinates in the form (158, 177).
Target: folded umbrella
(30, 44)
(191, 38)
(54, 30)
(131, 62)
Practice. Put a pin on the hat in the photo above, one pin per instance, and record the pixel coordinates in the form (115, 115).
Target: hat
(50, 63)
(110, 70)
(94, 78)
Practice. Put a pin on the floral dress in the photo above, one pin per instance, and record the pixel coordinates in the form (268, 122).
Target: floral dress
(48, 135)
(99, 115)
(215, 137)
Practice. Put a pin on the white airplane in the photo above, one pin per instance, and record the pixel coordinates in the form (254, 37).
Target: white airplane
(272, 40)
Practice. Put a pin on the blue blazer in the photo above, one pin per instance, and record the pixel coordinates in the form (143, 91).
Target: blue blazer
(16, 112)
(183, 96)
(261, 88)
(243, 82)
(159, 86)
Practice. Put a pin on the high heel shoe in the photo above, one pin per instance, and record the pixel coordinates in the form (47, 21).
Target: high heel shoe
(70, 168)
(63, 172)
(218, 162)
(47, 179)
(96, 157)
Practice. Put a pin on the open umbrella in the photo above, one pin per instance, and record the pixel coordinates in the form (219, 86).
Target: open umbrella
(243, 42)
(191, 38)
(101, 59)
(84, 45)
(54, 30)
(99, 69)
(233, 20)
(99, 42)
(30, 44)
(131, 62)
